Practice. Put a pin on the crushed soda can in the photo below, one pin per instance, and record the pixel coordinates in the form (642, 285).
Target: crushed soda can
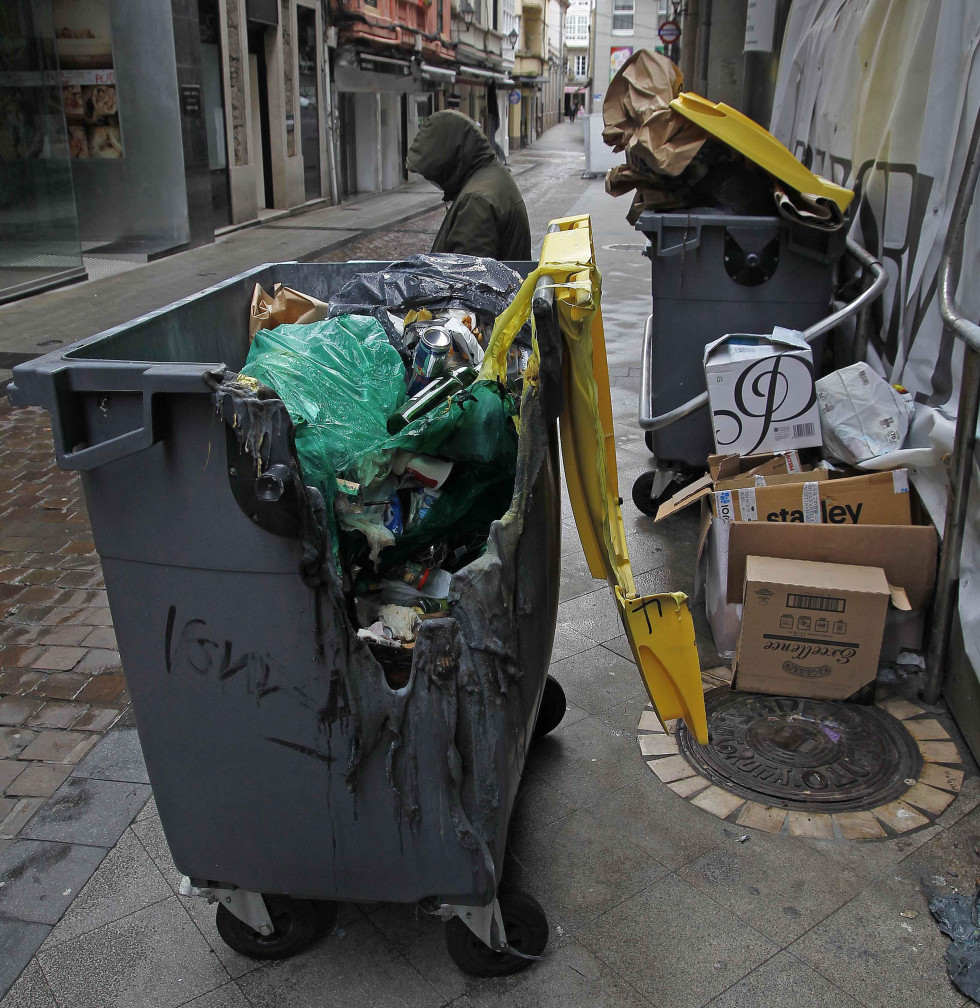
(431, 351)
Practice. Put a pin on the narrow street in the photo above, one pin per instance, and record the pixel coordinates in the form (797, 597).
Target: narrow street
(651, 899)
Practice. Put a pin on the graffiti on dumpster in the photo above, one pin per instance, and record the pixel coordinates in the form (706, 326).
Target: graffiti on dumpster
(194, 650)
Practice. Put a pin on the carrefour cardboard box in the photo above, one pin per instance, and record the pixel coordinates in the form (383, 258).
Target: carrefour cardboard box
(761, 392)
(811, 629)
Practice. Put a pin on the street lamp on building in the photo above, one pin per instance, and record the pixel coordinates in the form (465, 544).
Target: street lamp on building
(466, 12)
(513, 37)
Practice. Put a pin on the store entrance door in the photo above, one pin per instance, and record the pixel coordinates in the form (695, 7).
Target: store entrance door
(213, 110)
(309, 111)
(348, 145)
(260, 146)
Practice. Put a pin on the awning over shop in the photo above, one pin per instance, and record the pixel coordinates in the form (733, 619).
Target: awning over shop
(488, 75)
(438, 73)
(577, 88)
(383, 64)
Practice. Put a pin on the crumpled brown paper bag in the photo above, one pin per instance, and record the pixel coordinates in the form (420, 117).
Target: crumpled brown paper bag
(638, 117)
(285, 305)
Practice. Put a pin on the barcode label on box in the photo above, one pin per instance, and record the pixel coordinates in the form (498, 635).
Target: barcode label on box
(811, 503)
(821, 603)
(748, 511)
(804, 430)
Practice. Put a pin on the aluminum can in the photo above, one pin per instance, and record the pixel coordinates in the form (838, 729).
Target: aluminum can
(430, 353)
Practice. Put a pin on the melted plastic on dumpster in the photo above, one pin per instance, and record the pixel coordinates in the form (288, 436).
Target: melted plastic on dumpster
(471, 653)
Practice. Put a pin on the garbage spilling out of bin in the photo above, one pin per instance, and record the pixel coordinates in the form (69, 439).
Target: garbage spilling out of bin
(684, 152)
(412, 453)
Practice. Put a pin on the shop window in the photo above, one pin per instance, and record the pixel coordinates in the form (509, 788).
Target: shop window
(622, 18)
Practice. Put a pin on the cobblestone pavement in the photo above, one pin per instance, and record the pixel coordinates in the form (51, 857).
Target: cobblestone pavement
(60, 679)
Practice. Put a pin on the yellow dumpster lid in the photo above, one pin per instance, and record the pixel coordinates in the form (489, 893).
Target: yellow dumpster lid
(758, 145)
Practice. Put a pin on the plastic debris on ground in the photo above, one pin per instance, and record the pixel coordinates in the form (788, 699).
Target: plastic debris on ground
(413, 456)
(957, 916)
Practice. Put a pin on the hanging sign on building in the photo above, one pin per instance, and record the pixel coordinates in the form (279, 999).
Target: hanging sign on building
(83, 42)
(618, 55)
(514, 97)
(760, 25)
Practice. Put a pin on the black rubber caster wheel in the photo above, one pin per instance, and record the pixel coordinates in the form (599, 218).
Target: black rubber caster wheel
(297, 923)
(552, 709)
(641, 493)
(527, 932)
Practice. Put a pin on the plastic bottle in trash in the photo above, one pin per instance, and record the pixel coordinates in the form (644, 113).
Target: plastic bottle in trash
(432, 580)
(438, 392)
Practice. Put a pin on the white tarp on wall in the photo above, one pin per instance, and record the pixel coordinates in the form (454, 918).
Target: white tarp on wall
(882, 96)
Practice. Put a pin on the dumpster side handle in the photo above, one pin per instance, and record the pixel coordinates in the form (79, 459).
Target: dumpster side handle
(152, 381)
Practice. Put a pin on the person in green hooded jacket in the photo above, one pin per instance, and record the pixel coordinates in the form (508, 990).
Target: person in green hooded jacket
(487, 216)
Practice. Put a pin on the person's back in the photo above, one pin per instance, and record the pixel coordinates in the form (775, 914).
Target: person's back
(487, 216)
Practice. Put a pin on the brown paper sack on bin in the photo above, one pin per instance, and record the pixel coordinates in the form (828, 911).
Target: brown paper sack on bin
(284, 306)
(638, 117)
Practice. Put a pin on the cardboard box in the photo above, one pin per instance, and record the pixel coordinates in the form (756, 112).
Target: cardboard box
(765, 464)
(706, 485)
(906, 553)
(811, 629)
(873, 499)
(761, 392)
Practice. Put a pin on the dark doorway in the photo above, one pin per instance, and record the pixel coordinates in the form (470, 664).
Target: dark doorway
(213, 109)
(259, 96)
(348, 146)
(309, 105)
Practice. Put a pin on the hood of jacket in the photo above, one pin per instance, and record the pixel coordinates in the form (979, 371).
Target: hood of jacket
(447, 149)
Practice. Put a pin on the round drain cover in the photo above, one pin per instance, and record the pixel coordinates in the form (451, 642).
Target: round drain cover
(813, 755)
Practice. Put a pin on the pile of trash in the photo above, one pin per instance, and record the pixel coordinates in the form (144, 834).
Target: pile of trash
(684, 153)
(413, 453)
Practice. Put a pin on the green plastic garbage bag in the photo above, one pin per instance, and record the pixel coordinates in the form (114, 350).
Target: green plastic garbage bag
(475, 428)
(340, 380)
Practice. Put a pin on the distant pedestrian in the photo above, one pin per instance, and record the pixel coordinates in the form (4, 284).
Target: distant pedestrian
(571, 113)
(487, 215)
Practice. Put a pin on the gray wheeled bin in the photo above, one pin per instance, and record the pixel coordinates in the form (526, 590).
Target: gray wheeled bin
(285, 768)
(714, 274)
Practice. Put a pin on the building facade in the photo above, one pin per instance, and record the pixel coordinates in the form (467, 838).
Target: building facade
(578, 70)
(539, 70)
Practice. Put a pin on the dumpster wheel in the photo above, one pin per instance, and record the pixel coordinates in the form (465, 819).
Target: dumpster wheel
(643, 492)
(526, 927)
(297, 925)
(552, 709)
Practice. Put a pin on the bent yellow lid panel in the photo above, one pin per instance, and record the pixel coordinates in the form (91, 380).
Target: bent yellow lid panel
(658, 627)
(758, 145)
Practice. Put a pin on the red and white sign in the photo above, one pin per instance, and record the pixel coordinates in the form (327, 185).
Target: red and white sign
(669, 32)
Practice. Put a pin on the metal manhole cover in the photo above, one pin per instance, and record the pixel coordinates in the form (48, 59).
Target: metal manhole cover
(796, 753)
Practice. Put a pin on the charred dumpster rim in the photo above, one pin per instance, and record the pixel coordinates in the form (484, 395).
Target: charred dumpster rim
(922, 795)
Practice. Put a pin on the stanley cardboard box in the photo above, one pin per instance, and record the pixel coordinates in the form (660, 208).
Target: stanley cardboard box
(811, 629)
(880, 498)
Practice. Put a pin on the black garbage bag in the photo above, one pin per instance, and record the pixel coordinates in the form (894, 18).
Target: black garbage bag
(444, 280)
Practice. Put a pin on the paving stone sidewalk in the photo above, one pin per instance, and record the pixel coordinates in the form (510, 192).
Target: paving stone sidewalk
(61, 684)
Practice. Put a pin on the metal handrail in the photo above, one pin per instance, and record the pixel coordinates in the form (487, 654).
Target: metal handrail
(877, 286)
(964, 440)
